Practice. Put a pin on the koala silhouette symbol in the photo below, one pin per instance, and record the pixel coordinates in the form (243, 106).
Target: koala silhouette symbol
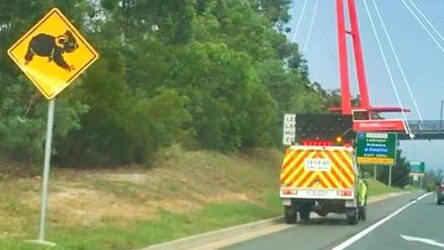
(45, 45)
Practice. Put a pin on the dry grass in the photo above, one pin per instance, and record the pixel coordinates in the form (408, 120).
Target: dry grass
(180, 182)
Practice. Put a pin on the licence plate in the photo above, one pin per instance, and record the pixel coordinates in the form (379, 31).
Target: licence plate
(317, 192)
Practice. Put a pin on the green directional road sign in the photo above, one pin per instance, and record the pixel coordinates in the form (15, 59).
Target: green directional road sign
(376, 148)
(417, 167)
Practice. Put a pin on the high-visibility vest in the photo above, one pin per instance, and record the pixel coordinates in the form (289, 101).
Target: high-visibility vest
(362, 192)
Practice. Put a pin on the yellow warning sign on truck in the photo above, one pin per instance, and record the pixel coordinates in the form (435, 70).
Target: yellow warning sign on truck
(318, 167)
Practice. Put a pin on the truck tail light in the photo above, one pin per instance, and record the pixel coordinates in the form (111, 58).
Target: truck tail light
(317, 143)
(287, 191)
(345, 192)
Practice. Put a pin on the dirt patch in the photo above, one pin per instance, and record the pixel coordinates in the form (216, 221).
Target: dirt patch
(228, 196)
(70, 206)
(135, 178)
(10, 170)
(177, 206)
(74, 206)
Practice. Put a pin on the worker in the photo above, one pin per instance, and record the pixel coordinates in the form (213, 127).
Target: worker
(362, 192)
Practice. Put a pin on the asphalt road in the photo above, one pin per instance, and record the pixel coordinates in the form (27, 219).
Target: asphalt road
(421, 222)
(420, 226)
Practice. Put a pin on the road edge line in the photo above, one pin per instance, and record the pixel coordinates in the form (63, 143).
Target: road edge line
(369, 229)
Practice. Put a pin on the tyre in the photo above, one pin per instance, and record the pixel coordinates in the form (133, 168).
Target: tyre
(352, 216)
(305, 215)
(290, 214)
(439, 200)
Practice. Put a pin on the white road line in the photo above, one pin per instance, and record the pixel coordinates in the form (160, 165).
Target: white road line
(423, 240)
(366, 231)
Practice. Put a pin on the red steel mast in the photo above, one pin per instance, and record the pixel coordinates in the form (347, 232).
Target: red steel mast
(343, 59)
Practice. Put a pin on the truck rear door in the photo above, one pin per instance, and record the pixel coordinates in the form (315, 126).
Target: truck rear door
(311, 171)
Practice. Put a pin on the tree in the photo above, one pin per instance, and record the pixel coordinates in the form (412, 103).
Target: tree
(215, 74)
(400, 172)
(431, 178)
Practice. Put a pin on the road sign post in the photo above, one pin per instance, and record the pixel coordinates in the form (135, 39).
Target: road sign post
(375, 172)
(52, 54)
(390, 176)
(46, 166)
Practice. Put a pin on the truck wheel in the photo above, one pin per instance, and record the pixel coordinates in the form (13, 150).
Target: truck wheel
(352, 216)
(290, 214)
(305, 214)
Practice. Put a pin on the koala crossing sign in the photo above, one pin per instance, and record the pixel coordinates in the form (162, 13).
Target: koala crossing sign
(53, 53)
(52, 47)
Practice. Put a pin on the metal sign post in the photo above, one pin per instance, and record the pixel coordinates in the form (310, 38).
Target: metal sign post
(390, 176)
(46, 167)
(415, 180)
(375, 172)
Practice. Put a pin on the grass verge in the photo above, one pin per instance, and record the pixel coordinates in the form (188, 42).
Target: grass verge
(167, 226)
(376, 188)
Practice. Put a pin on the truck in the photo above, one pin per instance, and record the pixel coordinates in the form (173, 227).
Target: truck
(319, 172)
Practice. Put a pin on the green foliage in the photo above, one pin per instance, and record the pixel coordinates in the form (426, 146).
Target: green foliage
(217, 74)
(431, 178)
(275, 10)
(400, 172)
(376, 188)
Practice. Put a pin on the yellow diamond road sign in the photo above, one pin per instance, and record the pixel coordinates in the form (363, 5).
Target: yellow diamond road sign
(53, 53)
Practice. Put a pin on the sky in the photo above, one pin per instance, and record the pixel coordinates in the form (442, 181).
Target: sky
(421, 58)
